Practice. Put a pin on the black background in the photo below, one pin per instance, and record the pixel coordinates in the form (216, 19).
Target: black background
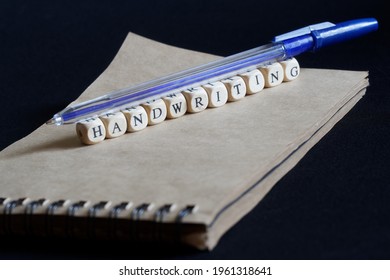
(333, 205)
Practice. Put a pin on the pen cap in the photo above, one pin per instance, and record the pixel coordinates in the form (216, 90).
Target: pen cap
(343, 31)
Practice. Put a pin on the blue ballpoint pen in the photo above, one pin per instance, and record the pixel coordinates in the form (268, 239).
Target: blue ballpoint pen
(291, 44)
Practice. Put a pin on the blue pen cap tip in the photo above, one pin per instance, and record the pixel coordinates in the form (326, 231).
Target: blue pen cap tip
(343, 31)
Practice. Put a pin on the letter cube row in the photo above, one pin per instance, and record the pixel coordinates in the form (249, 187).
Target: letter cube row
(192, 100)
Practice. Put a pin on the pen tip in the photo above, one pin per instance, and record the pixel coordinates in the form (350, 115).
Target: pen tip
(57, 120)
(51, 121)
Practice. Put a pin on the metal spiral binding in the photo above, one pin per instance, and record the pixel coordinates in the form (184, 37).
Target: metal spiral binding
(71, 213)
(159, 218)
(2, 220)
(163, 211)
(189, 209)
(30, 208)
(53, 206)
(10, 206)
(139, 211)
(76, 206)
(50, 211)
(139, 227)
(29, 212)
(2, 200)
(97, 207)
(113, 215)
(136, 215)
(119, 208)
(8, 211)
(92, 217)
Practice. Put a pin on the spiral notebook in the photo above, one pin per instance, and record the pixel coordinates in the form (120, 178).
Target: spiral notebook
(186, 180)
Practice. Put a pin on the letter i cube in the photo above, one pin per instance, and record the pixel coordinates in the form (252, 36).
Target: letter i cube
(217, 93)
(254, 81)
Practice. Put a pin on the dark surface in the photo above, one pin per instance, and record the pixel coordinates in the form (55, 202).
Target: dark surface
(333, 205)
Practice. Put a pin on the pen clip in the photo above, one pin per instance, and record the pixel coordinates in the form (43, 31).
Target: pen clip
(302, 31)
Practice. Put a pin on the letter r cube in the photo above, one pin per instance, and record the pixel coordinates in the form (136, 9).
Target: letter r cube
(197, 99)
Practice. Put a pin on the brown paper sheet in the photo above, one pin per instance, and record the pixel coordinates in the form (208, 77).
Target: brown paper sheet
(223, 160)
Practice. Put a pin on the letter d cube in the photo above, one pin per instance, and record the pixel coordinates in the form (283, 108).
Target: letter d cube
(156, 111)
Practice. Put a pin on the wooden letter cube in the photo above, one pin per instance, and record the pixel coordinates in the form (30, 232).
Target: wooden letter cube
(254, 81)
(91, 131)
(115, 124)
(197, 99)
(291, 69)
(136, 118)
(217, 94)
(176, 105)
(156, 111)
(236, 88)
(273, 74)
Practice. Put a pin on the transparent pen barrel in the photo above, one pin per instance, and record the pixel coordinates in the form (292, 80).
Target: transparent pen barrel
(193, 77)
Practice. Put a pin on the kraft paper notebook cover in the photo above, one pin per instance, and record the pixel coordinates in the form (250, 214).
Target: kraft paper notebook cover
(188, 179)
